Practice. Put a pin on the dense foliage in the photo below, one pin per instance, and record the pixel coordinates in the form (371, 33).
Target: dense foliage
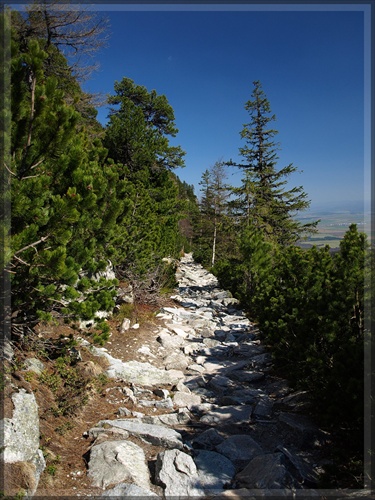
(83, 196)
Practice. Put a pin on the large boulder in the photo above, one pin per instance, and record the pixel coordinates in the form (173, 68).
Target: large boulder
(21, 439)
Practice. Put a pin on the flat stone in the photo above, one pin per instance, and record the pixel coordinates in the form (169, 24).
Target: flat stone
(183, 399)
(265, 472)
(196, 368)
(228, 414)
(168, 420)
(96, 432)
(220, 383)
(153, 434)
(238, 494)
(240, 447)
(207, 440)
(215, 471)
(261, 359)
(143, 373)
(211, 342)
(246, 376)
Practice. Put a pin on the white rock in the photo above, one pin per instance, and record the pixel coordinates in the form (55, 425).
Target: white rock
(177, 473)
(113, 462)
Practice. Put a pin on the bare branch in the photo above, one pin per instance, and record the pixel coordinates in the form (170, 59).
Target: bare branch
(36, 164)
(44, 238)
(20, 260)
(12, 173)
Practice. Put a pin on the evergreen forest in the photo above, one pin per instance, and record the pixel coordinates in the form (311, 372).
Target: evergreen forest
(78, 197)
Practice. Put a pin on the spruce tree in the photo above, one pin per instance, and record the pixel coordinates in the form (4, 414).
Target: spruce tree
(263, 200)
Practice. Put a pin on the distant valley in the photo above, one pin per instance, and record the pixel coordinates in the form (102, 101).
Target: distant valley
(335, 219)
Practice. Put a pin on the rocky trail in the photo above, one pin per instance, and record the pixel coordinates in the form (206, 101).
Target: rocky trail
(198, 411)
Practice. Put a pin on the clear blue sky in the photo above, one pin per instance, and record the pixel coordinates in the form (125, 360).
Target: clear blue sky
(310, 64)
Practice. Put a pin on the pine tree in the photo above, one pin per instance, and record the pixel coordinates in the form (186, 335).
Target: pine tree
(137, 133)
(262, 199)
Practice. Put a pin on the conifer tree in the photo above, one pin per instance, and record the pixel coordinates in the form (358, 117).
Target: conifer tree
(263, 200)
(138, 130)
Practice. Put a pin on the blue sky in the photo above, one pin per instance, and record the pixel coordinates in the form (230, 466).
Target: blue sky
(310, 64)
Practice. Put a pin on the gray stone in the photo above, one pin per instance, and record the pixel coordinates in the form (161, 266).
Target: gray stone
(166, 403)
(261, 359)
(161, 393)
(246, 376)
(220, 383)
(265, 472)
(177, 361)
(181, 387)
(21, 437)
(21, 432)
(249, 350)
(39, 463)
(34, 364)
(129, 490)
(304, 471)
(143, 373)
(112, 462)
(263, 409)
(224, 294)
(211, 342)
(176, 472)
(168, 420)
(239, 447)
(196, 368)
(230, 301)
(153, 434)
(7, 352)
(207, 440)
(169, 341)
(220, 335)
(215, 471)
(228, 414)
(183, 399)
(96, 432)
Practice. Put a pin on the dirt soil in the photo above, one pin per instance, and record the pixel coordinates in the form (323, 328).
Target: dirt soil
(63, 438)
